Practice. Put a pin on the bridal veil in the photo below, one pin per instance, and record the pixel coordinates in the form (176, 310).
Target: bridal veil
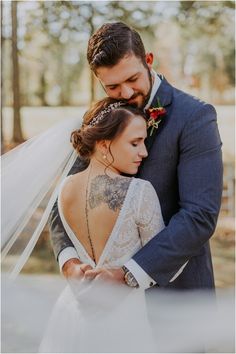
(30, 174)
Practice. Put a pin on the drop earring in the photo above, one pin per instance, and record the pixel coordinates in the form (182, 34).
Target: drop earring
(104, 157)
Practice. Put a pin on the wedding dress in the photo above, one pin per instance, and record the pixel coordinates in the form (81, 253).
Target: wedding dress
(97, 317)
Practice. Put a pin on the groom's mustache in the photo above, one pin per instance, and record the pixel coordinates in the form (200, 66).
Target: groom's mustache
(132, 98)
(135, 95)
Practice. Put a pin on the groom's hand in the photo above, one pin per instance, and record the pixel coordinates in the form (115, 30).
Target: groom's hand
(73, 268)
(113, 275)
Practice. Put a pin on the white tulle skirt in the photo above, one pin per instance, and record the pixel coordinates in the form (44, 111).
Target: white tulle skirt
(95, 317)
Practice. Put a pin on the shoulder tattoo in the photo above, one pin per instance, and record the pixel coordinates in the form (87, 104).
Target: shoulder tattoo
(111, 191)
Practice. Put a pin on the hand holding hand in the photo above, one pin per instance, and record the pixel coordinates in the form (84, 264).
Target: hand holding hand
(113, 275)
(73, 268)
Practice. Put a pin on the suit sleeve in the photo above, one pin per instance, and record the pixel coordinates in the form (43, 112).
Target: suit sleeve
(59, 238)
(199, 174)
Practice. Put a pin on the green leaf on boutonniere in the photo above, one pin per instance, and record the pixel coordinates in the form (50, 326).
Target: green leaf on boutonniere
(156, 114)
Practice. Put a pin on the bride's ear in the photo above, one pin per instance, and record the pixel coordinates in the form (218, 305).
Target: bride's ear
(103, 147)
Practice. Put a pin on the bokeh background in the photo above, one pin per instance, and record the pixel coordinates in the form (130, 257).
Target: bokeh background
(46, 79)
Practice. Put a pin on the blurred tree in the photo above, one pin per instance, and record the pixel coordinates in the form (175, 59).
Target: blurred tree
(75, 21)
(195, 36)
(17, 130)
(207, 35)
(2, 40)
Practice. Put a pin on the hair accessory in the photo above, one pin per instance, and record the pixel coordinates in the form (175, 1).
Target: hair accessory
(106, 110)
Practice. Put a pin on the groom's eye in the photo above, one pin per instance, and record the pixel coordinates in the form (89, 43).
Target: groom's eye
(112, 87)
(133, 79)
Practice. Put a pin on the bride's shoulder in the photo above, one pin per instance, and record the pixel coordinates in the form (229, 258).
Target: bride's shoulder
(144, 188)
(68, 188)
(143, 183)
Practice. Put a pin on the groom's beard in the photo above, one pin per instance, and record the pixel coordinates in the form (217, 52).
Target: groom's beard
(145, 98)
(150, 89)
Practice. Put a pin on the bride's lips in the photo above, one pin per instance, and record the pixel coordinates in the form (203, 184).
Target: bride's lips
(138, 162)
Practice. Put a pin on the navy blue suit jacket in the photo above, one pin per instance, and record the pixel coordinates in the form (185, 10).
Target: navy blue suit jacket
(185, 167)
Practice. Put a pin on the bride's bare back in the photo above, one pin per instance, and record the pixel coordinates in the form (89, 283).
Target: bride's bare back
(105, 197)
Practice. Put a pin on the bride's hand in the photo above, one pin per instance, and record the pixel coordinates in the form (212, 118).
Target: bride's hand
(114, 275)
(73, 268)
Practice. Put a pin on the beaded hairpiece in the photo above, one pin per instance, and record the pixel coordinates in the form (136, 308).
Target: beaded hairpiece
(106, 110)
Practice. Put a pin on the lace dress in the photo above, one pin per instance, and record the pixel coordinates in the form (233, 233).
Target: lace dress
(95, 317)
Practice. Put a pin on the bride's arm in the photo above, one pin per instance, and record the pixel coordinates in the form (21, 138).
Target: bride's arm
(149, 216)
(150, 222)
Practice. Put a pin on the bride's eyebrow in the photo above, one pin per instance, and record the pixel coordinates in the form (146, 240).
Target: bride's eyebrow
(138, 138)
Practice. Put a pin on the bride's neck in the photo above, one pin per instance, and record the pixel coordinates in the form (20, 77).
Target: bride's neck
(102, 167)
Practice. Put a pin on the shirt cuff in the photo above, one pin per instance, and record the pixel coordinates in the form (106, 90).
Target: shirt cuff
(66, 254)
(143, 279)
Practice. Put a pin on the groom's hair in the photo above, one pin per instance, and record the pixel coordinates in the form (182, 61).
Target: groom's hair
(112, 42)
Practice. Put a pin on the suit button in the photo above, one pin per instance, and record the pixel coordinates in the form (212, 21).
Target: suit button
(151, 284)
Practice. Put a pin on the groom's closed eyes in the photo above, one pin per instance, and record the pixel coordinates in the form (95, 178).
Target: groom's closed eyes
(131, 79)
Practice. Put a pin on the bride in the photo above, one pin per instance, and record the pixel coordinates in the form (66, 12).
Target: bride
(108, 217)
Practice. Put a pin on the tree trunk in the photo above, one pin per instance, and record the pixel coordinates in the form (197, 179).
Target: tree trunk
(92, 77)
(43, 88)
(2, 39)
(17, 130)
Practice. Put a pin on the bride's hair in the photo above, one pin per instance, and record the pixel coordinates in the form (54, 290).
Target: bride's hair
(105, 120)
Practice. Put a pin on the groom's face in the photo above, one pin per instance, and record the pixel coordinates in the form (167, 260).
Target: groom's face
(128, 80)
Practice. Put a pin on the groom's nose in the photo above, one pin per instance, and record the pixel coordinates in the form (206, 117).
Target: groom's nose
(126, 92)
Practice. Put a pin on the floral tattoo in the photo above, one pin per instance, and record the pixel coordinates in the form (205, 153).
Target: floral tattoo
(111, 191)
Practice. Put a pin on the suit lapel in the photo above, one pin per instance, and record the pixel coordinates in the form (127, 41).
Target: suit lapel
(164, 93)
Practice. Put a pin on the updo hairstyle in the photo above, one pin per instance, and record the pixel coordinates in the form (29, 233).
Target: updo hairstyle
(109, 127)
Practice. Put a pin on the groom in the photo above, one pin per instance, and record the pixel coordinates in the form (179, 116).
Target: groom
(184, 165)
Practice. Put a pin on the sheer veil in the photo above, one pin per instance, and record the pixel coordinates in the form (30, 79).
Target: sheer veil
(31, 174)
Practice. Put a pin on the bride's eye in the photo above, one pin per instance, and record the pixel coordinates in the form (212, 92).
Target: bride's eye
(135, 144)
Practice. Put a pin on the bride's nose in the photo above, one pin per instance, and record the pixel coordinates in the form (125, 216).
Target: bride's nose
(143, 151)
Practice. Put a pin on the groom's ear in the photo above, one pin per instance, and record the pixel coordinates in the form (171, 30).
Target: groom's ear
(149, 59)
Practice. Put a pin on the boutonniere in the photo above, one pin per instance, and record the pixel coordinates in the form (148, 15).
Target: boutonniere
(156, 114)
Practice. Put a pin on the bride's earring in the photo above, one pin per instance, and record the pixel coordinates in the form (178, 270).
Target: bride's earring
(104, 157)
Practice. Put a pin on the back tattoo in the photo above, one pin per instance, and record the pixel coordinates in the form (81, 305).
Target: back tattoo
(111, 191)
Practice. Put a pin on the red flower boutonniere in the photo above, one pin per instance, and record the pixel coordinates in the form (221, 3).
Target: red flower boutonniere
(156, 115)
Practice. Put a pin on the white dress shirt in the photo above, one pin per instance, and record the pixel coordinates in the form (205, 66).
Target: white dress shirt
(155, 87)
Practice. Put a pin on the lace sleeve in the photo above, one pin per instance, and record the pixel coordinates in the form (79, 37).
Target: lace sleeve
(149, 217)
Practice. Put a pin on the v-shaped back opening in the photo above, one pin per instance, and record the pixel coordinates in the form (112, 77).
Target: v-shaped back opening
(75, 240)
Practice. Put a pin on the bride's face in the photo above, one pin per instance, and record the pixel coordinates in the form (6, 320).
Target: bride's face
(128, 149)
